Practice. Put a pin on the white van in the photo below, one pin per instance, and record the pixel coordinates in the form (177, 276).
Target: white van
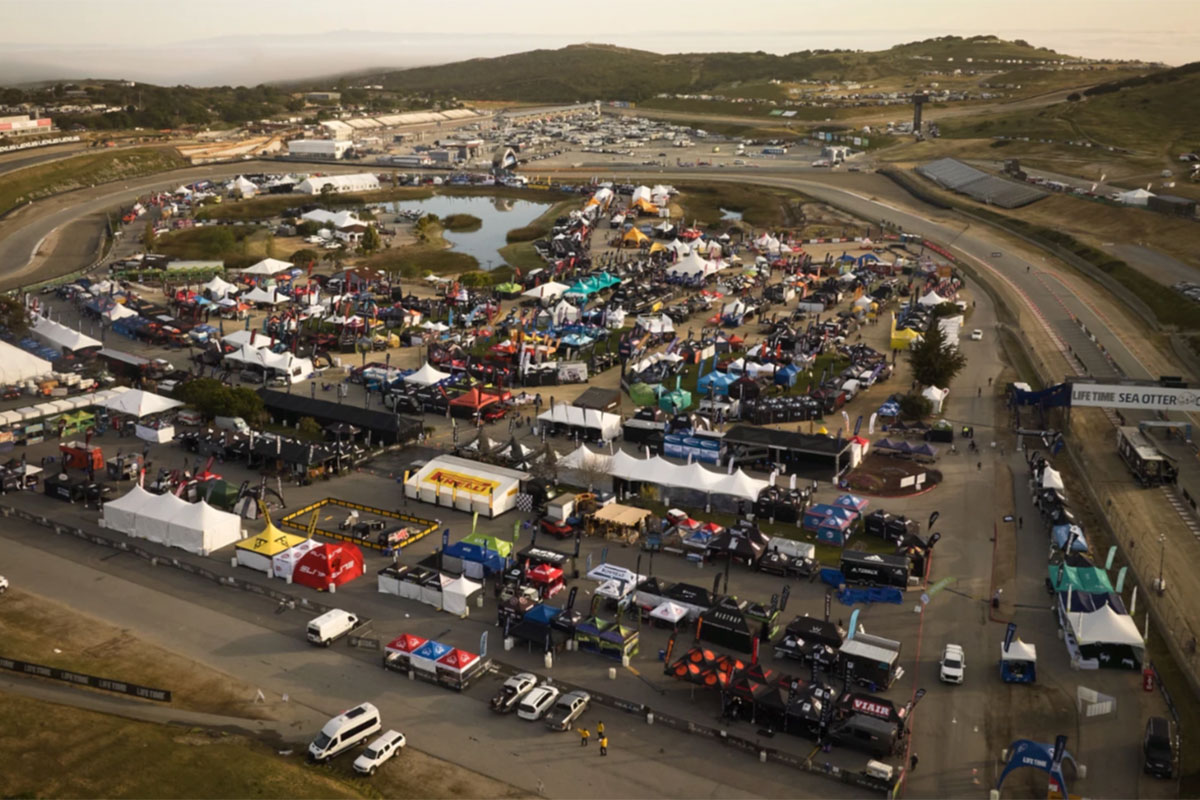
(235, 424)
(791, 548)
(344, 731)
(851, 388)
(331, 625)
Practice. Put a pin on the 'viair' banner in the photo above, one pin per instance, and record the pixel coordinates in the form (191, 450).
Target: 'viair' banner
(1144, 398)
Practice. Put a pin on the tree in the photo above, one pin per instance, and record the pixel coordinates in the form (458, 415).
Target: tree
(270, 245)
(309, 428)
(327, 190)
(304, 256)
(149, 237)
(12, 315)
(371, 240)
(212, 399)
(914, 406)
(934, 360)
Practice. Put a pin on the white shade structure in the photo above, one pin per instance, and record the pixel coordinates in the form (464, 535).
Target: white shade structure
(166, 519)
(138, 403)
(659, 470)
(609, 425)
(121, 514)
(427, 375)
(58, 335)
(268, 266)
(272, 297)
(219, 287)
(551, 289)
(17, 365)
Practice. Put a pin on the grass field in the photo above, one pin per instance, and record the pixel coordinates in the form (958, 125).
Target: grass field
(759, 206)
(237, 246)
(519, 251)
(42, 180)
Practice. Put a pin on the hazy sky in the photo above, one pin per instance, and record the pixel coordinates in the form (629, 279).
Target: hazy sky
(62, 35)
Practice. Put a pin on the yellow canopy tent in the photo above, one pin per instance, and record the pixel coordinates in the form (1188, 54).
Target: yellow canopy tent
(259, 551)
(657, 247)
(634, 237)
(646, 206)
(902, 338)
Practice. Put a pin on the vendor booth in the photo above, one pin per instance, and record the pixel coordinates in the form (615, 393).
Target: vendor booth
(166, 519)
(259, 551)
(725, 625)
(328, 565)
(1018, 662)
(466, 485)
(607, 638)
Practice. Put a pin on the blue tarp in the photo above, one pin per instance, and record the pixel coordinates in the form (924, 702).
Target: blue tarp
(874, 594)
(1061, 533)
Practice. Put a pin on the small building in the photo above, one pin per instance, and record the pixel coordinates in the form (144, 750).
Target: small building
(332, 149)
(466, 485)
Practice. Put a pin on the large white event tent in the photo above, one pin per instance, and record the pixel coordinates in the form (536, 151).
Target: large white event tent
(268, 266)
(58, 335)
(219, 287)
(17, 365)
(665, 473)
(138, 403)
(693, 265)
(609, 425)
(166, 519)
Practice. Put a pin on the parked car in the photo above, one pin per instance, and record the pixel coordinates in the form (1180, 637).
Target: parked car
(3, 584)
(953, 664)
(1158, 748)
(379, 752)
(976, 335)
(344, 731)
(537, 702)
(512, 691)
(568, 709)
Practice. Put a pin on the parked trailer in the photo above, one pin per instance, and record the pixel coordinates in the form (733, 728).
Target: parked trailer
(1144, 459)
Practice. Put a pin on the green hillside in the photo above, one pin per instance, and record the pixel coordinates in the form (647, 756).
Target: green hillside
(1147, 115)
(591, 71)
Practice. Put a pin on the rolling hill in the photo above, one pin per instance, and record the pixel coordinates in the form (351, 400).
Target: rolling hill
(1148, 115)
(593, 71)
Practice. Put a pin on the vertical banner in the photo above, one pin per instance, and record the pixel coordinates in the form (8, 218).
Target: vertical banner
(445, 538)
(483, 644)
(853, 624)
(783, 599)
(516, 533)
(828, 603)
(1009, 633)
(474, 522)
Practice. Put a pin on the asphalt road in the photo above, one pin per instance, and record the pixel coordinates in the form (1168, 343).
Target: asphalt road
(27, 158)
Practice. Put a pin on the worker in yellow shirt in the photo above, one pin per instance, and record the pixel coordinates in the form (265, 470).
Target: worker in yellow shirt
(603, 745)
(583, 737)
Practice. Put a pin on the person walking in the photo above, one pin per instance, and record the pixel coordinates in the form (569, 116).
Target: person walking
(584, 735)
(600, 729)
(912, 762)
(1020, 523)
(603, 745)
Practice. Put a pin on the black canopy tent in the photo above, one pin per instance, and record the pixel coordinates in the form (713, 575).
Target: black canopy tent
(384, 428)
(726, 625)
(810, 455)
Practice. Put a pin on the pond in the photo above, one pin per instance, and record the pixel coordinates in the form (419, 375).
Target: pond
(498, 216)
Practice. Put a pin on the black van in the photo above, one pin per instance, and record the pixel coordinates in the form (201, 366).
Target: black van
(868, 734)
(1158, 749)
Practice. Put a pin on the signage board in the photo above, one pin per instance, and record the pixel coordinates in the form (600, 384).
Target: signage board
(1142, 398)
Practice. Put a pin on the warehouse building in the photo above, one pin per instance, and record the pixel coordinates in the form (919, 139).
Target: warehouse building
(358, 182)
(23, 125)
(331, 149)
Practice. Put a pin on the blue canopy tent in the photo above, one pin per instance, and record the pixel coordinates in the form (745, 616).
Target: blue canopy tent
(715, 383)
(786, 376)
(1061, 534)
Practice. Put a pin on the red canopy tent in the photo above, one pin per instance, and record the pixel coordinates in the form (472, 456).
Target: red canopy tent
(329, 565)
(547, 578)
(473, 402)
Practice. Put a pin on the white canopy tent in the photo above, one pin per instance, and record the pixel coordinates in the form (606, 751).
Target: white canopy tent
(268, 296)
(936, 397)
(202, 529)
(268, 266)
(550, 289)
(119, 311)
(669, 613)
(138, 403)
(1052, 479)
(1105, 626)
(660, 471)
(219, 287)
(17, 365)
(931, 299)
(427, 375)
(58, 335)
(692, 266)
(166, 519)
(121, 514)
(609, 425)
(564, 312)
(457, 593)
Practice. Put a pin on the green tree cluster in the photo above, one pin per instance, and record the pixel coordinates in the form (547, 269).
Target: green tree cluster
(215, 399)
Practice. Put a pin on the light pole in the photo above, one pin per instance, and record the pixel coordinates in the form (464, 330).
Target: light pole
(1162, 556)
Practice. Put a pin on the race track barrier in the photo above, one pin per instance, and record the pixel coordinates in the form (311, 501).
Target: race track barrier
(81, 679)
(298, 521)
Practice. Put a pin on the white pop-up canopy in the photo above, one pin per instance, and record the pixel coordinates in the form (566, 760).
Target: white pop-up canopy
(609, 425)
(427, 375)
(138, 403)
(551, 289)
(268, 266)
(219, 287)
(268, 296)
(659, 470)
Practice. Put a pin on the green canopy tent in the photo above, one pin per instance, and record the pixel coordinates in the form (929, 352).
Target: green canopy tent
(1089, 580)
(643, 394)
(509, 289)
(677, 400)
(501, 546)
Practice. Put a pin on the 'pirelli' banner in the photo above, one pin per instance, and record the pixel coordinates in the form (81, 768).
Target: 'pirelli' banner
(461, 482)
(1144, 398)
(79, 679)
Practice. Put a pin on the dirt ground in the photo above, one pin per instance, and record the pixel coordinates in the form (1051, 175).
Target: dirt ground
(70, 752)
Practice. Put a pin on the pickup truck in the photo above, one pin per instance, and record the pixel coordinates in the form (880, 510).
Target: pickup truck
(512, 691)
(566, 710)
